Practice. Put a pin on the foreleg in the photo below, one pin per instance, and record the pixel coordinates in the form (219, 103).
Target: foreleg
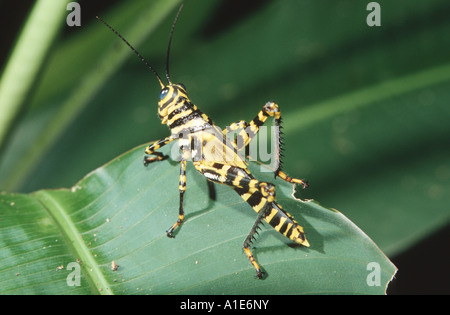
(151, 150)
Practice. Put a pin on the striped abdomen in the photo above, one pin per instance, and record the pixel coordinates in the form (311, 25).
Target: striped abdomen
(279, 219)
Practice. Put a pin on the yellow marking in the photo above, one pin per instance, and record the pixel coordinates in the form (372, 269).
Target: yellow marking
(176, 224)
(295, 233)
(302, 242)
(287, 229)
(244, 135)
(214, 150)
(249, 254)
(271, 215)
(282, 220)
(262, 117)
(180, 115)
(252, 183)
(285, 177)
(225, 168)
(259, 206)
(246, 196)
(252, 259)
(198, 121)
(237, 183)
(295, 236)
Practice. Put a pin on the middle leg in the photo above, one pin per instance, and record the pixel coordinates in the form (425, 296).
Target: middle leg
(182, 189)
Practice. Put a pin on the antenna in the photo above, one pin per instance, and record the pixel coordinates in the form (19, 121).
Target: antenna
(170, 42)
(136, 52)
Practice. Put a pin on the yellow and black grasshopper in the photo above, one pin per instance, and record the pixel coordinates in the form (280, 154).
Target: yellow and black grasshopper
(216, 157)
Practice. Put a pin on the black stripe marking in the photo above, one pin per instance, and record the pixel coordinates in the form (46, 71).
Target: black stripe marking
(266, 113)
(284, 227)
(217, 165)
(255, 199)
(240, 191)
(257, 121)
(185, 119)
(178, 111)
(168, 102)
(276, 219)
(288, 234)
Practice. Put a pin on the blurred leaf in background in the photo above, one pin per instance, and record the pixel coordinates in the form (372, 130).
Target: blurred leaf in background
(366, 108)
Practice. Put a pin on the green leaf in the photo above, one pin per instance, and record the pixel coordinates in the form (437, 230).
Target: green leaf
(120, 213)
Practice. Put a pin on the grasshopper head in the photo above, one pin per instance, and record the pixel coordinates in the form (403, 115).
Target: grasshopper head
(169, 96)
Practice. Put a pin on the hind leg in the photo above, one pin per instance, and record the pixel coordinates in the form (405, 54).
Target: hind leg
(249, 131)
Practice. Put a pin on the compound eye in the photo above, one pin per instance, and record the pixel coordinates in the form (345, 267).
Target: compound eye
(163, 93)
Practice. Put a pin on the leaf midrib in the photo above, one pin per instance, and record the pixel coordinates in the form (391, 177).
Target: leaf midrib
(73, 240)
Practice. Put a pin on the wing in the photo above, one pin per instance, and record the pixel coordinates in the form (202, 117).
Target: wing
(217, 148)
